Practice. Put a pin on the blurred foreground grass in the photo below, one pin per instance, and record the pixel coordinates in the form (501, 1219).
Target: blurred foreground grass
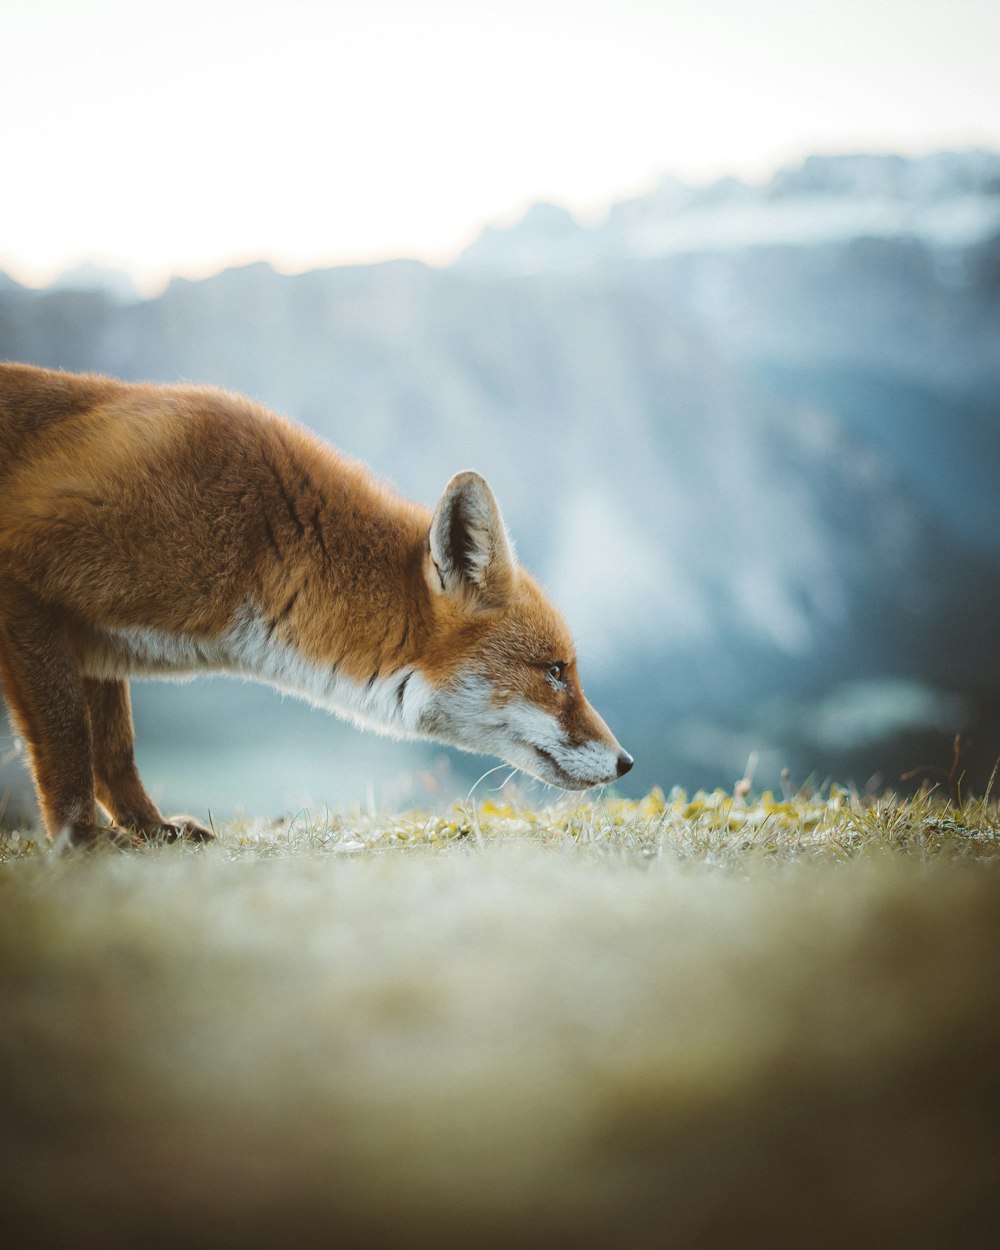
(721, 1022)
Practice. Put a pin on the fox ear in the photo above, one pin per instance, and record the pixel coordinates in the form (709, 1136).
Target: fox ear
(472, 553)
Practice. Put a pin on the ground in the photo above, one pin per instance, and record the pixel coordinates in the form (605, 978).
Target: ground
(724, 1021)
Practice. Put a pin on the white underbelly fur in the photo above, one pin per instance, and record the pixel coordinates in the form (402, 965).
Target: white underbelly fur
(391, 703)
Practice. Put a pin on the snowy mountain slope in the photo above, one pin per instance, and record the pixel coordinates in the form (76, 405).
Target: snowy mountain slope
(947, 200)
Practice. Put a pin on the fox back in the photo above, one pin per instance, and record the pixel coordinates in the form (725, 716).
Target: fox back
(170, 530)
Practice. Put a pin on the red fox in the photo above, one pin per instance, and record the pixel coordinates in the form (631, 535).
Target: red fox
(165, 530)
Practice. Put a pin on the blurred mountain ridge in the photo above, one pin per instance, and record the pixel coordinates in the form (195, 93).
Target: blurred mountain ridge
(945, 199)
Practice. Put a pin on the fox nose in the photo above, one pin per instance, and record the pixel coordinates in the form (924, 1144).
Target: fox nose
(625, 762)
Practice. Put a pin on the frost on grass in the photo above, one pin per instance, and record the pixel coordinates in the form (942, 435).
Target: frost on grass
(719, 828)
(703, 1021)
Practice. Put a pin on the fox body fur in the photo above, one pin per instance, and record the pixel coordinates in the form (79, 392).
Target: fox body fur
(168, 530)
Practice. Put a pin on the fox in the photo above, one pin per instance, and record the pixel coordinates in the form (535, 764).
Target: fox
(166, 530)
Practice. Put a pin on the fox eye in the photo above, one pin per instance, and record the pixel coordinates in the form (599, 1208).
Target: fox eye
(556, 673)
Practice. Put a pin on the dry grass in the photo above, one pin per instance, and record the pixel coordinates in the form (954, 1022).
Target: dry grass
(718, 1022)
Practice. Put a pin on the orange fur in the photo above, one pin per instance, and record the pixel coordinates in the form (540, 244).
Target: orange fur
(167, 529)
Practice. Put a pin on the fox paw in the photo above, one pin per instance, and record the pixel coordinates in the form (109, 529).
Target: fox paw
(179, 828)
(175, 829)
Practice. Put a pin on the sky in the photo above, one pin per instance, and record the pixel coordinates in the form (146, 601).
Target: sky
(180, 138)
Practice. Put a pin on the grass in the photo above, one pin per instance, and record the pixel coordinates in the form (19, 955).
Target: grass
(718, 1021)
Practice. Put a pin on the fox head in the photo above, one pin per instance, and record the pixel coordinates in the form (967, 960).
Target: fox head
(502, 670)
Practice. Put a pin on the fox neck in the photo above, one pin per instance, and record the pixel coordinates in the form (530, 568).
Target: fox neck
(391, 700)
(348, 614)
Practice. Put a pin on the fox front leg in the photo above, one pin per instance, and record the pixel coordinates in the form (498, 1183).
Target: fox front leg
(118, 787)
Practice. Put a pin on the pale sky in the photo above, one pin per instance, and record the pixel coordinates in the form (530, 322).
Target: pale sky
(185, 136)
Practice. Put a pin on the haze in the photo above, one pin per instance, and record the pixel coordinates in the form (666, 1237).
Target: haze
(182, 138)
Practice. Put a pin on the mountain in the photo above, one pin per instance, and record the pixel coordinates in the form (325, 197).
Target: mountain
(945, 200)
(758, 478)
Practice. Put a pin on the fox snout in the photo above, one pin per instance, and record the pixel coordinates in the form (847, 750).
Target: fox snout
(567, 777)
(563, 743)
(561, 762)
